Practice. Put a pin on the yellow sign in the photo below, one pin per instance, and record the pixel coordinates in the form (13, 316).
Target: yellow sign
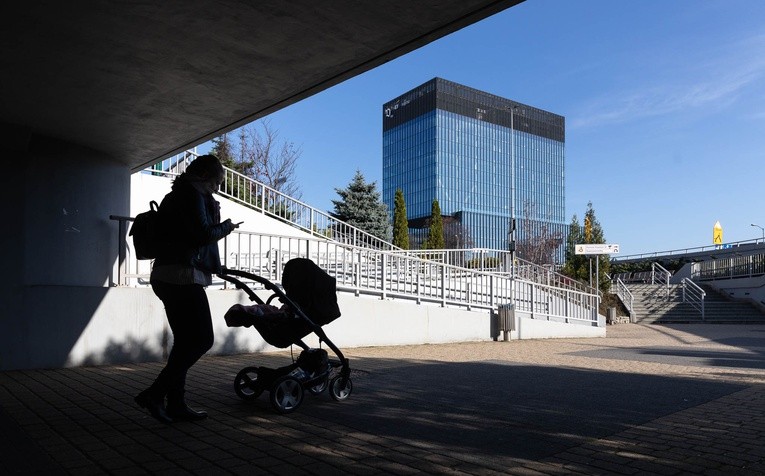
(717, 236)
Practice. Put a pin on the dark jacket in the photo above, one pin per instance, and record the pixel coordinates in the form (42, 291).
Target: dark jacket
(190, 228)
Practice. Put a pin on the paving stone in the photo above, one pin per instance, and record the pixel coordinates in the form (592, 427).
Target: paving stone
(644, 399)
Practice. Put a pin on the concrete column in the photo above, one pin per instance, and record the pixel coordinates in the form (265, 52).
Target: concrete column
(59, 245)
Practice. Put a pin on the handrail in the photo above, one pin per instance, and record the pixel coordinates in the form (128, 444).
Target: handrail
(388, 275)
(661, 277)
(624, 294)
(694, 295)
(685, 251)
(500, 261)
(269, 201)
(729, 268)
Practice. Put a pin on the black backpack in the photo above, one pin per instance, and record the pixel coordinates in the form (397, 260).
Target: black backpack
(145, 234)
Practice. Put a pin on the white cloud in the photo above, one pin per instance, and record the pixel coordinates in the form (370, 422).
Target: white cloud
(715, 80)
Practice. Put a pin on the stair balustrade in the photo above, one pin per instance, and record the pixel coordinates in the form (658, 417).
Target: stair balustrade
(659, 275)
(693, 295)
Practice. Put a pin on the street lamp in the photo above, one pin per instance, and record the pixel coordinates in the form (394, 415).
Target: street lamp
(761, 229)
(512, 181)
(511, 233)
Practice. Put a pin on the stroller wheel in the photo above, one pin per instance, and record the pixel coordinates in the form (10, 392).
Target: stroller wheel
(319, 387)
(337, 392)
(247, 385)
(286, 394)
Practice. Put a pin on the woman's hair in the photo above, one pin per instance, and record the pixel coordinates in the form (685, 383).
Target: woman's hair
(204, 167)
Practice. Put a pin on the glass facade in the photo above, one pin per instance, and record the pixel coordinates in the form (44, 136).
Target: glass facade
(456, 144)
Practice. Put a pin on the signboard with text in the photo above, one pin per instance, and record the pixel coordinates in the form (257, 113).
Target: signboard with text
(596, 249)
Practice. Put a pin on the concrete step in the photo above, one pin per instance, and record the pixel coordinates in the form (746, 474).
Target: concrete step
(662, 304)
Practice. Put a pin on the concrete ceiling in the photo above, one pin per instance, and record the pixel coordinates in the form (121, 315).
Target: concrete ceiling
(141, 80)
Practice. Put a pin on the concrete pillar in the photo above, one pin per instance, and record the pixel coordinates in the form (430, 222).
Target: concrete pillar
(59, 245)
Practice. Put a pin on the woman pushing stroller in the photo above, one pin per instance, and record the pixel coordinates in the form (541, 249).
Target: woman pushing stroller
(190, 229)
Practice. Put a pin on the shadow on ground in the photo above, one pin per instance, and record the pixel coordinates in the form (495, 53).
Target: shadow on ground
(454, 415)
(496, 409)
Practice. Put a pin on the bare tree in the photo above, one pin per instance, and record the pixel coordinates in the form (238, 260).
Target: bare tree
(260, 155)
(274, 162)
(539, 242)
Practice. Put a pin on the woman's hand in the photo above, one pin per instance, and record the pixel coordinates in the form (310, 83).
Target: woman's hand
(231, 226)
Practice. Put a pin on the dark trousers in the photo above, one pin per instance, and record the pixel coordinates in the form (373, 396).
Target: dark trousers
(188, 313)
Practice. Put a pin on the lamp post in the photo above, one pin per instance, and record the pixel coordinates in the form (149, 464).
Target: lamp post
(512, 178)
(511, 233)
(761, 229)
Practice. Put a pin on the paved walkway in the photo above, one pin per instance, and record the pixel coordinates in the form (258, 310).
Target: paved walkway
(645, 400)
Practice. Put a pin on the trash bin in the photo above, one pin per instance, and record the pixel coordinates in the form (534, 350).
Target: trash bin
(610, 315)
(506, 318)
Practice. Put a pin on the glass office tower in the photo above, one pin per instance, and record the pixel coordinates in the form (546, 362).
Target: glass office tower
(456, 144)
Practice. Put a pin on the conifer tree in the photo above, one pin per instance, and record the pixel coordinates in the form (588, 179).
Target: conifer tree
(575, 264)
(578, 266)
(435, 239)
(223, 150)
(400, 223)
(360, 206)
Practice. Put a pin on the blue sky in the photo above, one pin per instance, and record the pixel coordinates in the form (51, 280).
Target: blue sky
(664, 104)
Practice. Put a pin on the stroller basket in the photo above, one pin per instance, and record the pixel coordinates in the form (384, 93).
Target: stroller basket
(309, 301)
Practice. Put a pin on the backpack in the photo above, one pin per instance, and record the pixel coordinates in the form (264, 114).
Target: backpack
(145, 234)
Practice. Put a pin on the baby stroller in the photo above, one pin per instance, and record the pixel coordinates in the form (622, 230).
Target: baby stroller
(309, 301)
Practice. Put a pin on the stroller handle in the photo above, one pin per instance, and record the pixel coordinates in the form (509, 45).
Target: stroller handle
(243, 274)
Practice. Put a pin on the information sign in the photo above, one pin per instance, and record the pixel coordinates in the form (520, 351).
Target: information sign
(596, 249)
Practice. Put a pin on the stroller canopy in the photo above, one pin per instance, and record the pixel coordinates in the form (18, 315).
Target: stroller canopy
(312, 289)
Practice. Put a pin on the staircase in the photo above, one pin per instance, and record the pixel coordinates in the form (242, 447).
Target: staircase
(654, 305)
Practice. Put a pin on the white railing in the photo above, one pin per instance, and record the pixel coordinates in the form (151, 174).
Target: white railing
(502, 262)
(626, 297)
(386, 274)
(729, 268)
(362, 263)
(686, 251)
(269, 201)
(659, 275)
(694, 295)
(266, 200)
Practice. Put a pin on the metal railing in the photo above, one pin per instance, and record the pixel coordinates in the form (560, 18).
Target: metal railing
(659, 275)
(729, 268)
(626, 297)
(685, 251)
(269, 201)
(694, 295)
(501, 262)
(386, 274)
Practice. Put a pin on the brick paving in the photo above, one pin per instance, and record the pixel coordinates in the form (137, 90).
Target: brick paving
(666, 400)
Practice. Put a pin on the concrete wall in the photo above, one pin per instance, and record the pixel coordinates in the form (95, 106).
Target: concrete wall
(129, 325)
(535, 328)
(746, 289)
(60, 246)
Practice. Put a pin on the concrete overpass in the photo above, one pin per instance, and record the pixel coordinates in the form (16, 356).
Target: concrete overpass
(93, 91)
(699, 253)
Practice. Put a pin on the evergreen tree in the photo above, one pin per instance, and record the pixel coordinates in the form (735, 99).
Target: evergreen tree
(400, 223)
(594, 234)
(360, 206)
(223, 150)
(435, 239)
(578, 266)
